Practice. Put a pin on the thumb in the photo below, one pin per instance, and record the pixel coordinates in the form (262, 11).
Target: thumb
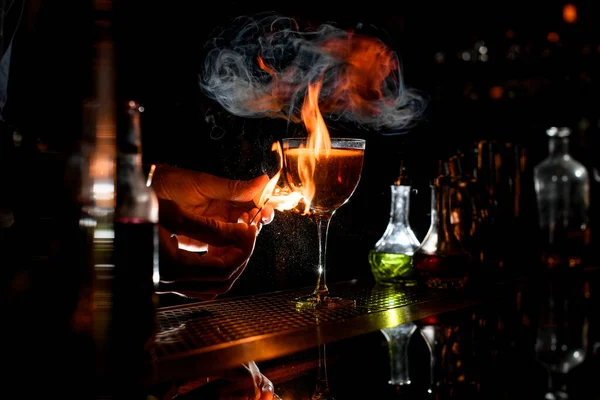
(219, 188)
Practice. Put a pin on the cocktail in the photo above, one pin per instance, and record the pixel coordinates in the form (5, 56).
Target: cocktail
(327, 176)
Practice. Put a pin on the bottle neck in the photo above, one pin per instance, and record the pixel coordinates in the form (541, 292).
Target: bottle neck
(440, 208)
(400, 204)
(130, 169)
(558, 146)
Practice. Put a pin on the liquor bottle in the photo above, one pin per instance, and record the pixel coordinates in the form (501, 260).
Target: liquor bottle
(391, 259)
(441, 260)
(563, 198)
(134, 300)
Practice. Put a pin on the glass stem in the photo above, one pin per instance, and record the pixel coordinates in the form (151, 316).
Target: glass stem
(322, 387)
(322, 220)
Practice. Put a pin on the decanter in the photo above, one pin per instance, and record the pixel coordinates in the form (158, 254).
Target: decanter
(391, 259)
(563, 198)
(441, 260)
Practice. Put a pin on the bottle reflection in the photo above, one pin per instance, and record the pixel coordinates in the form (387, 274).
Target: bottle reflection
(562, 334)
(433, 338)
(398, 339)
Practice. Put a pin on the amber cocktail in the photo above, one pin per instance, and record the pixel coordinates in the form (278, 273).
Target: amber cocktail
(328, 178)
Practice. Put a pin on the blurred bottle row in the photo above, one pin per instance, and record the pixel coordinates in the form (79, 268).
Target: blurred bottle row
(494, 216)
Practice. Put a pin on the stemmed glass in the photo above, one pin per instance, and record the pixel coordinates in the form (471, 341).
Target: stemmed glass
(327, 178)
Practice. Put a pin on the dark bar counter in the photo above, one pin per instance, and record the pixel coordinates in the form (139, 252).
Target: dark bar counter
(535, 337)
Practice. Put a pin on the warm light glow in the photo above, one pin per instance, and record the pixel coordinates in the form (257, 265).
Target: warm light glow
(319, 142)
(280, 198)
(496, 92)
(570, 13)
(369, 67)
(553, 37)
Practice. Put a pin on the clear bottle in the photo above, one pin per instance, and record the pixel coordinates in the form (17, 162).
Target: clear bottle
(563, 198)
(441, 260)
(136, 274)
(392, 258)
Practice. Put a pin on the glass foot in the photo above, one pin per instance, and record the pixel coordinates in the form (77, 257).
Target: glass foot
(314, 302)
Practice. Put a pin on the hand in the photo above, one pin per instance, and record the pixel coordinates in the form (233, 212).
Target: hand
(248, 383)
(242, 383)
(199, 212)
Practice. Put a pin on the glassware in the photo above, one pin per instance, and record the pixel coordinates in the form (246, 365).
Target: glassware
(432, 334)
(563, 198)
(392, 258)
(136, 275)
(441, 260)
(322, 391)
(328, 180)
(564, 314)
(398, 338)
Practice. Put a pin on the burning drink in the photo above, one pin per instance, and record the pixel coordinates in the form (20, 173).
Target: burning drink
(271, 67)
(335, 176)
(327, 178)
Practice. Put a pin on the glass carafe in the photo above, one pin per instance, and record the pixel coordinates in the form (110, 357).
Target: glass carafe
(562, 190)
(441, 260)
(392, 258)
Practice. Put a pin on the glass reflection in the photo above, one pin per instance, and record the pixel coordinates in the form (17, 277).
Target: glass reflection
(398, 339)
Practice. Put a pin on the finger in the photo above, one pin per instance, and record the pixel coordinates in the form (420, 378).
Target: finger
(178, 264)
(189, 244)
(244, 217)
(205, 290)
(257, 378)
(188, 295)
(267, 389)
(182, 221)
(219, 188)
(267, 214)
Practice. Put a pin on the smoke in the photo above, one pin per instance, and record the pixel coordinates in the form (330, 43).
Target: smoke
(261, 68)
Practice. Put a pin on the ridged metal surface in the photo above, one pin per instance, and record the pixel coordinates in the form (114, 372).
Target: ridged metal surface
(214, 323)
(230, 330)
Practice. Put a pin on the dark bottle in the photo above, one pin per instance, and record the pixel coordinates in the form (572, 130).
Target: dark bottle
(441, 260)
(133, 325)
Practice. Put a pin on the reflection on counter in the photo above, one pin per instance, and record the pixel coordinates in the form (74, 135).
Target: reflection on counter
(538, 340)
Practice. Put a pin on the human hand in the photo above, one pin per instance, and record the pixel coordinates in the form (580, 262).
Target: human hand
(243, 383)
(200, 212)
(248, 383)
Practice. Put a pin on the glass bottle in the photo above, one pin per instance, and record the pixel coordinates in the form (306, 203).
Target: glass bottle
(392, 258)
(563, 198)
(136, 272)
(441, 260)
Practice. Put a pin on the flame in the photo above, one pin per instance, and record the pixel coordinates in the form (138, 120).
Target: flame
(319, 141)
(362, 87)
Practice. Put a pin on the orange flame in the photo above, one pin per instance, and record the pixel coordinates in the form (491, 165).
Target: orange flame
(281, 198)
(368, 67)
(319, 141)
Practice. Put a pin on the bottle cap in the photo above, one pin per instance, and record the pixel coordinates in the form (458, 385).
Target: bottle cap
(558, 132)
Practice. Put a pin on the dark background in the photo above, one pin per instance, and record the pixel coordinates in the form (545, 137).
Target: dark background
(526, 84)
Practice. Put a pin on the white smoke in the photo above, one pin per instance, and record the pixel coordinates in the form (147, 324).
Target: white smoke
(233, 77)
